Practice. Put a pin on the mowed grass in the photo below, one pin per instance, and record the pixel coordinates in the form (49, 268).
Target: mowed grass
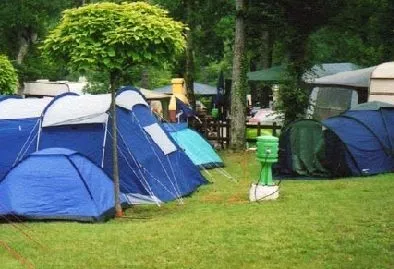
(344, 223)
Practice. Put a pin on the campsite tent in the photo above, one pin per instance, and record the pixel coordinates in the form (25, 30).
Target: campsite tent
(348, 79)
(57, 183)
(19, 125)
(357, 142)
(323, 102)
(195, 146)
(152, 167)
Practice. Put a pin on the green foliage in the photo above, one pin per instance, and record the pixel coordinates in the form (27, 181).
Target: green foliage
(293, 97)
(157, 77)
(8, 77)
(20, 19)
(361, 33)
(108, 37)
(328, 45)
(211, 25)
(36, 67)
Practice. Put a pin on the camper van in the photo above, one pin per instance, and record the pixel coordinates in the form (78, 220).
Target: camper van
(350, 88)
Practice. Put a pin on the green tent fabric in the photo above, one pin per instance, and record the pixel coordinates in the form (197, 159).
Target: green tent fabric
(275, 73)
(307, 147)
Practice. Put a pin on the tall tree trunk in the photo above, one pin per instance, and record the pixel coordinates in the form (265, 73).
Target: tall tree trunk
(115, 172)
(265, 49)
(145, 79)
(238, 88)
(26, 38)
(189, 75)
(23, 48)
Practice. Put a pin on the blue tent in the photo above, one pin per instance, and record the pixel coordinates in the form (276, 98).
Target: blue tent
(357, 142)
(365, 135)
(57, 183)
(19, 125)
(195, 146)
(152, 167)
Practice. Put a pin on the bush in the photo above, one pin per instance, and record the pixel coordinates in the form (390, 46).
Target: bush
(8, 76)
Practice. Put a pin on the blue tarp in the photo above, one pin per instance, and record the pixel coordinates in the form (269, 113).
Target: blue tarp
(195, 146)
(57, 183)
(147, 175)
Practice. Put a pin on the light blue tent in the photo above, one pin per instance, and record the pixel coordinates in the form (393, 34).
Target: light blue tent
(19, 125)
(57, 183)
(195, 146)
(153, 169)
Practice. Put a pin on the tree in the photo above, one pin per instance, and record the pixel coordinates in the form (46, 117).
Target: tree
(238, 87)
(211, 26)
(362, 33)
(8, 76)
(189, 68)
(112, 38)
(23, 21)
(299, 19)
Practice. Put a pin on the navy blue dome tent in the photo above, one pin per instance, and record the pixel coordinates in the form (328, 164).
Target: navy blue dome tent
(358, 142)
(153, 169)
(19, 126)
(57, 183)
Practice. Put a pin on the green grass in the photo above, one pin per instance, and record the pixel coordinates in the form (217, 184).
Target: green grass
(345, 223)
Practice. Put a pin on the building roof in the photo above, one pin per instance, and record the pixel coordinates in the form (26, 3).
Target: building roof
(199, 89)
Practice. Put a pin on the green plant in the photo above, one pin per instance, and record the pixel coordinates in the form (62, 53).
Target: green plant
(8, 76)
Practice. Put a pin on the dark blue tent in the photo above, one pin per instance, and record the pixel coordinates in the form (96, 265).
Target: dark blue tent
(357, 142)
(57, 183)
(19, 125)
(367, 135)
(153, 169)
(184, 111)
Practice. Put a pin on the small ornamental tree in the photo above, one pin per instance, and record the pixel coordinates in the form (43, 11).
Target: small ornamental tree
(111, 38)
(8, 76)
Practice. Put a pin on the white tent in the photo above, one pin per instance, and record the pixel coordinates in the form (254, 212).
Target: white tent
(352, 79)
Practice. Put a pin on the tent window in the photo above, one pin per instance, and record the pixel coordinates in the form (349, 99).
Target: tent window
(160, 138)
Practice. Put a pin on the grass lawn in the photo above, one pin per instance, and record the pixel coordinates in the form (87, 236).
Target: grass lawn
(346, 223)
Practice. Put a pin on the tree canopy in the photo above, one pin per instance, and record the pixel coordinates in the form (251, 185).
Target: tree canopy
(114, 37)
